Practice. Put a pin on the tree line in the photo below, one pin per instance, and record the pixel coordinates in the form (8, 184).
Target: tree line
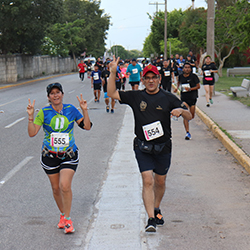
(188, 29)
(53, 27)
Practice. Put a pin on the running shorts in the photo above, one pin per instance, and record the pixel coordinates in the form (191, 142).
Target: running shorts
(55, 165)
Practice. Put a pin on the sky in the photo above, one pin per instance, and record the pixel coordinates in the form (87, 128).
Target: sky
(130, 22)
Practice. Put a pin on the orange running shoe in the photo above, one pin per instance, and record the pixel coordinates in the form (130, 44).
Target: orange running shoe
(68, 226)
(62, 222)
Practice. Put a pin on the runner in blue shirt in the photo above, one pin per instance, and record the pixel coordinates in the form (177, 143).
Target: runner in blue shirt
(59, 157)
(96, 82)
(134, 71)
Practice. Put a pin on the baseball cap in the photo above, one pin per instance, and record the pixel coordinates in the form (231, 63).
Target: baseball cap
(54, 85)
(150, 68)
(133, 60)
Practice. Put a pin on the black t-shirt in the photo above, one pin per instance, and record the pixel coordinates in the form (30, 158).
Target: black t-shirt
(208, 77)
(158, 65)
(192, 63)
(149, 108)
(166, 74)
(192, 80)
(89, 64)
(105, 76)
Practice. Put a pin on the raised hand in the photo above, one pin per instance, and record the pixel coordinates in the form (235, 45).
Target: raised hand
(82, 102)
(113, 64)
(30, 108)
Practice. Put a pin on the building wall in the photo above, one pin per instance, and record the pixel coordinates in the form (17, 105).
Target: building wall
(17, 67)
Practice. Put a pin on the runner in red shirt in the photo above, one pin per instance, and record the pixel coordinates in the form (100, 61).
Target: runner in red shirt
(81, 66)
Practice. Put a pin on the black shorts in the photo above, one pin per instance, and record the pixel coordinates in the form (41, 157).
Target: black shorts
(97, 86)
(210, 83)
(160, 163)
(190, 101)
(54, 165)
(134, 83)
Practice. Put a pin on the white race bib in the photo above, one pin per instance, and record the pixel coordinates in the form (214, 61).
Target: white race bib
(59, 140)
(167, 73)
(153, 130)
(207, 73)
(134, 71)
(96, 76)
(183, 86)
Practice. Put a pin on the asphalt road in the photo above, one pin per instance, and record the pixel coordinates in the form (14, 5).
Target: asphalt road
(206, 205)
(28, 213)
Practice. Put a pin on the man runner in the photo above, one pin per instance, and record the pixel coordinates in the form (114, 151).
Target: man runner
(190, 84)
(152, 108)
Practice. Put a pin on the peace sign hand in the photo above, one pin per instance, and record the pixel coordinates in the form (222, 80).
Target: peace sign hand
(82, 102)
(30, 108)
(113, 64)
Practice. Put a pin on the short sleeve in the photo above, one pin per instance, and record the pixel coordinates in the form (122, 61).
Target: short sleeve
(39, 120)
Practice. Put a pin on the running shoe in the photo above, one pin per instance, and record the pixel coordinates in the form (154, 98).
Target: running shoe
(158, 217)
(188, 136)
(95, 99)
(107, 109)
(208, 104)
(112, 111)
(151, 227)
(68, 226)
(62, 222)
(211, 101)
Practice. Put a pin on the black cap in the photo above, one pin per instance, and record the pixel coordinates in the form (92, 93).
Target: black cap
(54, 85)
(133, 60)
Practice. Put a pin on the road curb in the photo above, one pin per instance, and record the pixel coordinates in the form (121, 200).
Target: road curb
(238, 153)
(35, 80)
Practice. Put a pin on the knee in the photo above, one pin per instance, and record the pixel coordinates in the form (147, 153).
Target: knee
(65, 188)
(148, 181)
(160, 182)
(56, 190)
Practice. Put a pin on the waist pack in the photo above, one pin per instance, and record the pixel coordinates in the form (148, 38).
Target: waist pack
(152, 148)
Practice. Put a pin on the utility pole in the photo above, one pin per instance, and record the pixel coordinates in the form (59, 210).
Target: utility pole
(165, 25)
(165, 32)
(193, 4)
(156, 3)
(210, 28)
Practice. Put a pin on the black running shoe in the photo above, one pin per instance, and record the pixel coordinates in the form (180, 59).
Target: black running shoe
(158, 217)
(151, 227)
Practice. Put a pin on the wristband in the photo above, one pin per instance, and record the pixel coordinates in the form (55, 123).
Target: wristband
(31, 120)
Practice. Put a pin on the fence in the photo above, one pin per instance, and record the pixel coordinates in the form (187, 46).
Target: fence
(17, 67)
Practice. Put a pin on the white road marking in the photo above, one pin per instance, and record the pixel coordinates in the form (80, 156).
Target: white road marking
(12, 101)
(15, 170)
(72, 91)
(15, 122)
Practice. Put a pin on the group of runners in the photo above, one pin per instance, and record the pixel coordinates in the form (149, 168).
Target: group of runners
(153, 108)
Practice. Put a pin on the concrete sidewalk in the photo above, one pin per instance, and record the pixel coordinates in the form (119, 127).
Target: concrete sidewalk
(231, 116)
(206, 201)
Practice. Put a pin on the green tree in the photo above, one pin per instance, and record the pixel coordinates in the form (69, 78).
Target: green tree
(193, 29)
(148, 48)
(174, 20)
(227, 33)
(23, 24)
(96, 24)
(177, 47)
(120, 51)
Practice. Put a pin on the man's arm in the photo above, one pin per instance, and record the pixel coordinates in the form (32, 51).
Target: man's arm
(111, 87)
(182, 112)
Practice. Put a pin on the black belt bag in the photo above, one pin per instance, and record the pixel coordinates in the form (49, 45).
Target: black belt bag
(152, 148)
